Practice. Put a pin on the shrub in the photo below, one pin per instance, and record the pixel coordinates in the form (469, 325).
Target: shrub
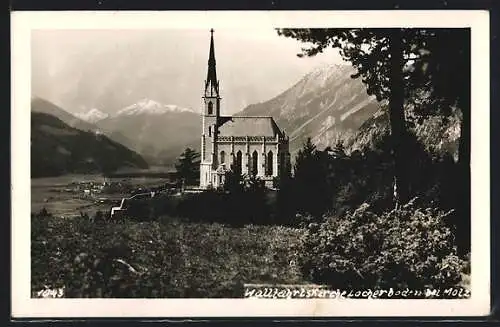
(302, 221)
(402, 248)
(99, 216)
(248, 202)
(234, 182)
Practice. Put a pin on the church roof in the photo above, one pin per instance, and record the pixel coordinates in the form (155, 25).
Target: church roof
(248, 126)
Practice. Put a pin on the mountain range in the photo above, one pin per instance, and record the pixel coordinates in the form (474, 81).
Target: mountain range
(57, 149)
(326, 105)
(92, 116)
(43, 106)
(79, 70)
(157, 131)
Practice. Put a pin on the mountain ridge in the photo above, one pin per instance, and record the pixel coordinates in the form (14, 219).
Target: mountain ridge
(41, 105)
(149, 106)
(92, 116)
(157, 131)
(324, 105)
(110, 69)
(57, 149)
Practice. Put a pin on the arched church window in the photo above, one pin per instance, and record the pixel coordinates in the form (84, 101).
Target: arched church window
(222, 157)
(283, 163)
(255, 157)
(269, 164)
(210, 108)
(237, 167)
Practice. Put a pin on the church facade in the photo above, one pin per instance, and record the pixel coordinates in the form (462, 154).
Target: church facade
(246, 145)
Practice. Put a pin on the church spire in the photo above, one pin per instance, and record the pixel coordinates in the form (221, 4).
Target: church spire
(211, 84)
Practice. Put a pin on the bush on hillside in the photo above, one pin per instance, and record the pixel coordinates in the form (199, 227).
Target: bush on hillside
(235, 209)
(402, 248)
(247, 201)
(366, 175)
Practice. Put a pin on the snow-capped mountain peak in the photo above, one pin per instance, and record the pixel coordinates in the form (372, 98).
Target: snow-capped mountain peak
(149, 106)
(92, 116)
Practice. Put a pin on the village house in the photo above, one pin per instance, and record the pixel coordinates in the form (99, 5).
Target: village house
(242, 144)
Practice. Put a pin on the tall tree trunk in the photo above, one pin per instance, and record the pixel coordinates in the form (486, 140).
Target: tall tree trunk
(396, 115)
(463, 197)
(463, 178)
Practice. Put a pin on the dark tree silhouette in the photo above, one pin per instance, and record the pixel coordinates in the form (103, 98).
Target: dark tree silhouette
(443, 71)
(188, 166)
(399, 63)
(377, 54)
(285, 202)
(312, 192)
(413, 67)
(233, 182)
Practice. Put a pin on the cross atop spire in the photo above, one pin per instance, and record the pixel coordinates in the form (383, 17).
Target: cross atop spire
(211, 84)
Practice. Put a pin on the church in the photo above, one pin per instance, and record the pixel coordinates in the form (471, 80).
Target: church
(246, 145)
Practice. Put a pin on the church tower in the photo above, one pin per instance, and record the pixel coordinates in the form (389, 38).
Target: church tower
(246, 145)
(210, 118)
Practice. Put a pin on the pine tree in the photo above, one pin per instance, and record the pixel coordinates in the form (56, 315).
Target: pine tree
(234, 182)
(399, 64)
(396, 64)
(313, 195)
(187, 166)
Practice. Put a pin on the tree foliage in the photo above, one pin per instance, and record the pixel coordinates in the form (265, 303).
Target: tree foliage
(234, 182)
(435, 60)
(377, 54)
(187, 166)
(312, 192)
(427, 70)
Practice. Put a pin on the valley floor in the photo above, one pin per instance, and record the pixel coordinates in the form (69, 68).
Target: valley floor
(64, 196)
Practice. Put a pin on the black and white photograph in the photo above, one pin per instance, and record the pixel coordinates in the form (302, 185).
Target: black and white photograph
(283, 162)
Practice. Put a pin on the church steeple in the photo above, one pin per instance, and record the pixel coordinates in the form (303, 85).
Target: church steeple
(211, 84)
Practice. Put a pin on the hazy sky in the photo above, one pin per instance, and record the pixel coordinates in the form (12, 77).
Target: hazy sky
(108, 69)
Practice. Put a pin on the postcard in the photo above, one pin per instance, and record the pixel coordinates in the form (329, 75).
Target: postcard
(256, 164)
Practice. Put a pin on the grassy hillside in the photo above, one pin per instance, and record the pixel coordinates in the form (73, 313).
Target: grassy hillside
(57, 148)
(169, 258)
